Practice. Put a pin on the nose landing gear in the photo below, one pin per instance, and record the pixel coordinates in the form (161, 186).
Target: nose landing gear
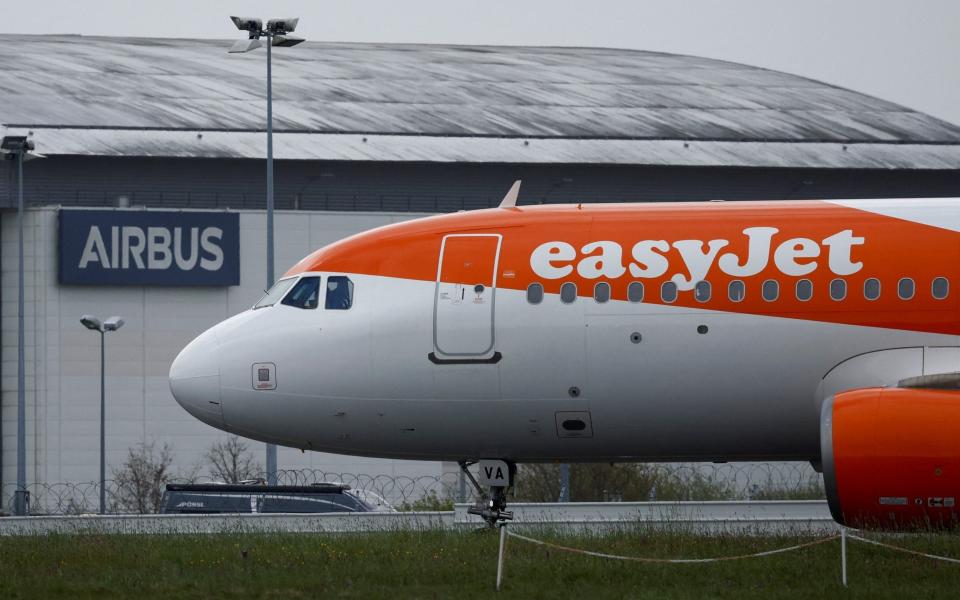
(497, 476)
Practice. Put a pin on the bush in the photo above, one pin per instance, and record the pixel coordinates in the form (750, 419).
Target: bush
(428, 502)
(141, 480)
(626, 482)
(231, 461)
(811, 489)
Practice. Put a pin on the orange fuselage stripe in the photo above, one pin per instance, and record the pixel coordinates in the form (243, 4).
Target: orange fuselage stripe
(752, 242)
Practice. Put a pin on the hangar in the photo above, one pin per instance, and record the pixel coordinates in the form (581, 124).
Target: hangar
(365, 134)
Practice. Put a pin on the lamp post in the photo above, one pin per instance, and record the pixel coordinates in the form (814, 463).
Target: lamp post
(276, 34)
(95, 324)
(19, 148)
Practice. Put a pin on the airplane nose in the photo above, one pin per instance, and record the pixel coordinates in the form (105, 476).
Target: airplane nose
(195, 379)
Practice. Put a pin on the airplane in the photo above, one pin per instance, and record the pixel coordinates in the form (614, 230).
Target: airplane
(821, 331)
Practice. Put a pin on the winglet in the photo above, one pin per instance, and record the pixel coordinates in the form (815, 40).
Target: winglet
(510, 200)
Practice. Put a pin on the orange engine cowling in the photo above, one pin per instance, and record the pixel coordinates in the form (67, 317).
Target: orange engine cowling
(891, 458)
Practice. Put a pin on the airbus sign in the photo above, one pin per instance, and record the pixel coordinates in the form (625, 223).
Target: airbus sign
(138, 247)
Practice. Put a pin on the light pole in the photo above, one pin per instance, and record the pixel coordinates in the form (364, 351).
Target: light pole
(18, 147)
(95, 324)
(276, 35)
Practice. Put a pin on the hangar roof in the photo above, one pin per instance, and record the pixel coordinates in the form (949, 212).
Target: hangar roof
(396, 102)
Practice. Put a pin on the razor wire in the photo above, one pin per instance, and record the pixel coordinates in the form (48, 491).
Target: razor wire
(666, 481)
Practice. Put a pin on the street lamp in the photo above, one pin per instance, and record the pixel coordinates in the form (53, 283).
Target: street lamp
(276, 34)
(19, 148)
(95, 324)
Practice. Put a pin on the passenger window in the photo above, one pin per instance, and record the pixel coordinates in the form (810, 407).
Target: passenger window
(871, 288)
(305, 294)
(905, 288)
(838, 289)
(668, 292)
(568, 292)
(601, 292)
(804, 290)
(940, 288)
(635, 292)
(736, 291)
(771, 290)
(701, 291)
(535, 293)
(339, 293)
(275, 293)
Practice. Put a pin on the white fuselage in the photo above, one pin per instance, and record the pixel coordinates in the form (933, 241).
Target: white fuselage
(357, 382)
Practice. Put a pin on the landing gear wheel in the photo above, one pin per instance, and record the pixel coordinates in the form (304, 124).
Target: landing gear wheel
(491, 505)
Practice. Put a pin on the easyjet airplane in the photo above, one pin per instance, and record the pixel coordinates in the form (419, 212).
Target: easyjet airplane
(824, 331)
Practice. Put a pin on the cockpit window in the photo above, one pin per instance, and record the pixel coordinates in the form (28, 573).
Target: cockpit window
(275, 293)
(339, 293)
(305, 294)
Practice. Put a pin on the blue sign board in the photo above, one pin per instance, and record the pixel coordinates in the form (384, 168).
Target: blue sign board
(137, 247)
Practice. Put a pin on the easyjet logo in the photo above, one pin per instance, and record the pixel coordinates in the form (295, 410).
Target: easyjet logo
(652, 258)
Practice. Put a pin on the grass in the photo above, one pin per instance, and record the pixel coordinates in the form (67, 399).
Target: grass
(438, 564)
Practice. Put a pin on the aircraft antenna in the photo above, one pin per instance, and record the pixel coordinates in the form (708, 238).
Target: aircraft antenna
(510, 200)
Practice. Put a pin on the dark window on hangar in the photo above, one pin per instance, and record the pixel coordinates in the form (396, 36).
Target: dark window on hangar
(305, 294)
(339, 293)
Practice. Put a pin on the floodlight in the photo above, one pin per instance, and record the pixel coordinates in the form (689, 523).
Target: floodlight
(14, 144)
(241, 46)
(251, 24)
(113, 324)
(281, 26)
(276, 34)
(91, 322)
(18, 148)
(285, 41)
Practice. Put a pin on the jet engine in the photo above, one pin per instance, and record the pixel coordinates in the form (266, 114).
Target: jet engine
(891, 456)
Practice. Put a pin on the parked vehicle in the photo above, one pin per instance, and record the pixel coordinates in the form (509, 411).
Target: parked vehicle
(211, 498)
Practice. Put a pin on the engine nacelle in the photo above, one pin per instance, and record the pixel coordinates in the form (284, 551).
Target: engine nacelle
(891, 458)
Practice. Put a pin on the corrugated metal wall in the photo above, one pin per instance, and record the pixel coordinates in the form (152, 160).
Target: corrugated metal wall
(430, 187)
(62, 357)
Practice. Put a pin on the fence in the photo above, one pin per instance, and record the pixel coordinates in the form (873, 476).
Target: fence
(538, 483)
(843, 535)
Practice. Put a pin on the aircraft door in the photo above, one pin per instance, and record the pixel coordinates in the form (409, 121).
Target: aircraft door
(464, 298)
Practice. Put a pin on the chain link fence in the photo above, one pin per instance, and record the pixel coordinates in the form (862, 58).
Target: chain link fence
(536, 483)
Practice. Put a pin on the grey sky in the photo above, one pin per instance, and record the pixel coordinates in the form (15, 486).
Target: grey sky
(901, 50)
